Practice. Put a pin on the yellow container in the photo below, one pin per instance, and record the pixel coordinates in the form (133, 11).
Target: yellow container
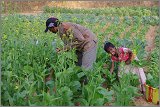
(152, 94)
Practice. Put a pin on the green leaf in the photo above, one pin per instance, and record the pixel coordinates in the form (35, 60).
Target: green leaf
(81, 74)
(104, 92)
(99, 102)
(75, 84)
(58, 74)
(149, 76)
(83, 102)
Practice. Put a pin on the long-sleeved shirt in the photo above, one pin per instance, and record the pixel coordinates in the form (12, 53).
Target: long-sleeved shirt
(76, 36)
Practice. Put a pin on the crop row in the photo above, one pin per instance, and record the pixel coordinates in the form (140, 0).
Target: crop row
(111, 11)
(28, 56)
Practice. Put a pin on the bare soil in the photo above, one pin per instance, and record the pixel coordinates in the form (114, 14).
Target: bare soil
(141, 101)
(150, 36)
(30, 6)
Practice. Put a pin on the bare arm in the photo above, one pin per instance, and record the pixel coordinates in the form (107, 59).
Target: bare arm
(129, 59)
(126, 50)
(112, 67)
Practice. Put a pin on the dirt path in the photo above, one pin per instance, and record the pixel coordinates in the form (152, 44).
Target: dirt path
(141, 101)
(150, 36)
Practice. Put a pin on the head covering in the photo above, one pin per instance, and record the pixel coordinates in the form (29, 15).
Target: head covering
(51, 22)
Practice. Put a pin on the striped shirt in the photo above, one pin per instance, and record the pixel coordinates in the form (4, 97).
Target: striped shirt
(76, 36)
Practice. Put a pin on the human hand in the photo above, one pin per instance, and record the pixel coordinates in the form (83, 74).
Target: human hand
(58, 50)
(128, 62)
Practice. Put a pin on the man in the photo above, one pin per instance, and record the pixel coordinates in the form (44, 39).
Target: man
(78, 37)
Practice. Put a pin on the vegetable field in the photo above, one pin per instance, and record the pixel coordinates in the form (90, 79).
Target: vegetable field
(28, 56)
